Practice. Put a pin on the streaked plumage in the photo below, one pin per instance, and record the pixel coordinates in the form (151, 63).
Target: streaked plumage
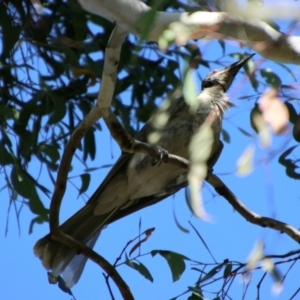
(133, 182)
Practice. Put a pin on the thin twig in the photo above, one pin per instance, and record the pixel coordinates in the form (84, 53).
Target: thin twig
(202, 240)
(249, 215)
(259, 284)
(108, 286)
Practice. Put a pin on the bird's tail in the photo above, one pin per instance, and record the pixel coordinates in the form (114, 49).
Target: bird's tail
(83, 226)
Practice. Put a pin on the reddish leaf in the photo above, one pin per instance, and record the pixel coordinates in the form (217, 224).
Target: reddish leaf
(148, 233)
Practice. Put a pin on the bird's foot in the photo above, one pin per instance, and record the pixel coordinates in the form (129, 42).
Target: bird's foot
(163, 156)
(210, 171)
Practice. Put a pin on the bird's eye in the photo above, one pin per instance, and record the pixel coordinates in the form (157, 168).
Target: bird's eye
(207, 84)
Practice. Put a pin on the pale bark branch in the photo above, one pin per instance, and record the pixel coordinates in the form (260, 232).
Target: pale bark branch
(249, 215)
(112, 55)
(254, 33)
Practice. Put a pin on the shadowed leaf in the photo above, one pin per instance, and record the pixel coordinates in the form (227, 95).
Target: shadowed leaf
(175, 262)
(85, 182)
(140, 268)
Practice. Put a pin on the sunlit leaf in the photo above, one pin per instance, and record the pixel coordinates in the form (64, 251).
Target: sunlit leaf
(255, 110)
(190, 91)
(274, 112)
(200, 150)
(256, 255)
(264, 133)
(245, 162)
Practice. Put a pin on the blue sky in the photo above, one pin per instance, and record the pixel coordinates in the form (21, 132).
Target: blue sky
(267, 191)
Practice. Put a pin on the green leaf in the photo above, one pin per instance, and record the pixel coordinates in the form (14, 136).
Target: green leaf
(194, 297)
(283, 157)
(174, 260)
(59, 110)
(89, 145)
(296, 131)
(51, 151)
(243, 131)
(178, 224)
(140, 268)
(9, 30)
(293, 115)
(9, 112)
(222, 44)
(225, 136)
(255, 110)
(212, 272)
(24, 186)
(20, 182)
(227, 271)
(6, 158)
(85, 182)
(145, 22)
(38, 220)
(61, 283)
(271, 77)
(196, 293)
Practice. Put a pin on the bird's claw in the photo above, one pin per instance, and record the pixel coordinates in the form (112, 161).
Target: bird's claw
(210, 171)
(163, 156)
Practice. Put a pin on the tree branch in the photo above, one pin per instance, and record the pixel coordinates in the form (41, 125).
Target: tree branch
(112, 55)
(249, 215)
(253, 32)
(128, 144)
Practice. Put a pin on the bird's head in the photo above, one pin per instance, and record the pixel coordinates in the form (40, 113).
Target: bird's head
(224, 77)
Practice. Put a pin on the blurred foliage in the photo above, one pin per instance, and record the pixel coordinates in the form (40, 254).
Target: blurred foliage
(47, 77)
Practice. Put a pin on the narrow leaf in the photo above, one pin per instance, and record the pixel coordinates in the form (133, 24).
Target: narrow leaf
(85, 182)
(148, 233)
(140, 268)
(175, 261)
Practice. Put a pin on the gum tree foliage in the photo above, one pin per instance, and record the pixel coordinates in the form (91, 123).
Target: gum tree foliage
(48, 71)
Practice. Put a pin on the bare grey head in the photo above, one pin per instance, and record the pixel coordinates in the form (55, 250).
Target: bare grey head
(224, 77)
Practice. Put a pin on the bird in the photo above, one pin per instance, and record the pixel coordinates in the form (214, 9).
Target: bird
(136, 181)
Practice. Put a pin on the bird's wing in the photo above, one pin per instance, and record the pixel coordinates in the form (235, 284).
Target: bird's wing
(121, 164)
(145, 202)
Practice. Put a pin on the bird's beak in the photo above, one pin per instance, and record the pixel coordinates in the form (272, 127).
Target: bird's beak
(235, 67)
